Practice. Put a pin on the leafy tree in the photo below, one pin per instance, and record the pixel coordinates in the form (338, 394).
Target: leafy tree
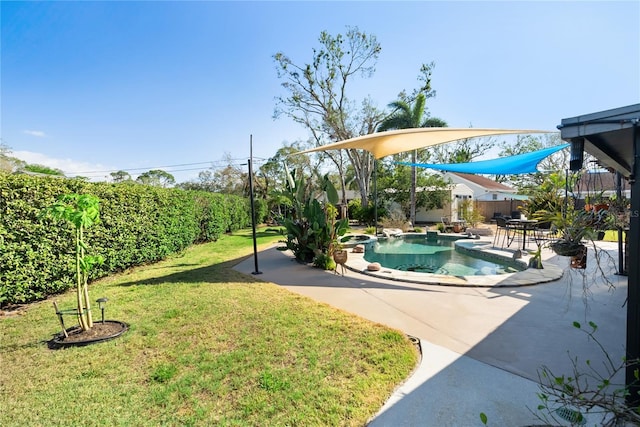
(231, 180)
(405, 116)
(462, 151)
(557, 162)
(120, 176)
(204, 182)
(7, 162)
(272, 175)
(394, 184)
(156, 178)
(270, 182)
(42, 169)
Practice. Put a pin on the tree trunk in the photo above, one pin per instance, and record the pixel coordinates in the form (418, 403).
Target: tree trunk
(362, 165)
(79, 295)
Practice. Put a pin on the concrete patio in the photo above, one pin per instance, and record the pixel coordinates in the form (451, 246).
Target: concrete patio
(482, 346)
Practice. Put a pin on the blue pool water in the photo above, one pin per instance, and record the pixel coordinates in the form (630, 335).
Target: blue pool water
(415, 253)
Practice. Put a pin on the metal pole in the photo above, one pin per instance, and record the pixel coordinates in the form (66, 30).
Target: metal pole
(633, 288)
(375, 196)
(253, 210)
(619, 229)
(566, 193)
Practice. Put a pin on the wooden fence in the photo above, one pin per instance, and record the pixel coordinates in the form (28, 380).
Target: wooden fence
(490, 208)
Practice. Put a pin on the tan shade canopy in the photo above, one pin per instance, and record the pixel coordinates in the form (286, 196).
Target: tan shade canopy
(397, 141)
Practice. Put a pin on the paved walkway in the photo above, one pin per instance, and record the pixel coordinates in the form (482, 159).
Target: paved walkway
(482, 346)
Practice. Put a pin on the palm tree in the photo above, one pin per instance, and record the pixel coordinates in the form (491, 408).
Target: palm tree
(405, 117)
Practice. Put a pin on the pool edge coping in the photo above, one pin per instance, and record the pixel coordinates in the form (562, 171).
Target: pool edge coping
(529, 276)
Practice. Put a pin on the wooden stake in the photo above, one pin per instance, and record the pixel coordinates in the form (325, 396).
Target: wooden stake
(64, 331)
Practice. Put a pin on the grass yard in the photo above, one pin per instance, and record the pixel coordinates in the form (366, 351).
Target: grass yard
(611, 236)
(206, 346)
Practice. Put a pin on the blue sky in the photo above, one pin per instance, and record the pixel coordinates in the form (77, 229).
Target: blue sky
(99, 86)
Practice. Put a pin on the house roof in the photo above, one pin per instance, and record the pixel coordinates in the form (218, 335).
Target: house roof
(600, 181)
(608, 135)
(486, 183)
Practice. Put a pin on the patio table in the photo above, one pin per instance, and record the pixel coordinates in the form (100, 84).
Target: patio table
(523, 225)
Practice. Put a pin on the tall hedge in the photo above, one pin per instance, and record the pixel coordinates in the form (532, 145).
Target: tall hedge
(140, 224)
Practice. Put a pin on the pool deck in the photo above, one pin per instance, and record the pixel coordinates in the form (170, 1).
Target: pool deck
(530, 276)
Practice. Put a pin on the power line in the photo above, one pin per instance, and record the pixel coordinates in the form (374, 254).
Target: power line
(145, 168)
(217, 164)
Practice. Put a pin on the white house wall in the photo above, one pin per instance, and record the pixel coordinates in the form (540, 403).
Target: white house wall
(479, 192)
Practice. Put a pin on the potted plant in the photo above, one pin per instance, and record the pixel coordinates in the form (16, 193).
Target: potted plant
(574, 226)
(336, 230)
(339, 254)
(536, 258)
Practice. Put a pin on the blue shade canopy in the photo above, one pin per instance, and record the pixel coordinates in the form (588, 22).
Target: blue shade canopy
(511, 165)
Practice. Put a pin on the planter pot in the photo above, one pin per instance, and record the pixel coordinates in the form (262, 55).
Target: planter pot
(564, 248)
(100, 332)
(340, 257)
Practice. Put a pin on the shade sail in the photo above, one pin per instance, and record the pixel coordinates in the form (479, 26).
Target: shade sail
(397, 141)
(511, 165)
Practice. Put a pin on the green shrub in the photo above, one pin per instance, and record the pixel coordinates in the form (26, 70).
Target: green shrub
(140, 224)
(324, 261)
(354, 209)
(370, 230)
(262, 210)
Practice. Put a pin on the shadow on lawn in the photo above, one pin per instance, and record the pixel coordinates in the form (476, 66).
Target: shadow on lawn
(215, 273)
(269, 232)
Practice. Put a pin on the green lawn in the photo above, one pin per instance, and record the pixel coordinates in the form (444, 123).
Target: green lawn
(611, 236)
(206, 346)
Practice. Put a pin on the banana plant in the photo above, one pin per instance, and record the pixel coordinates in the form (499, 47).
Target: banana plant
(82, 211)
(313, 229)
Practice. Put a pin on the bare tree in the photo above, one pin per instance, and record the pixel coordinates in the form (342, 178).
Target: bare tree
(316, 97)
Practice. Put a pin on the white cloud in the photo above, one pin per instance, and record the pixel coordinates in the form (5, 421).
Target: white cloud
(37, 133)
(68, 166)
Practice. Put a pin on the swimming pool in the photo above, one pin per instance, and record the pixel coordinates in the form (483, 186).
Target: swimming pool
(437, 256)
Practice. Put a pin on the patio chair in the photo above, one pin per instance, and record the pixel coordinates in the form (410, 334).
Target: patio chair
(544, 231)
(504, 231)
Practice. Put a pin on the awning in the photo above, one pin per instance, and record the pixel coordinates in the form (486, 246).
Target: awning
(510, 165)
(397, 141)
